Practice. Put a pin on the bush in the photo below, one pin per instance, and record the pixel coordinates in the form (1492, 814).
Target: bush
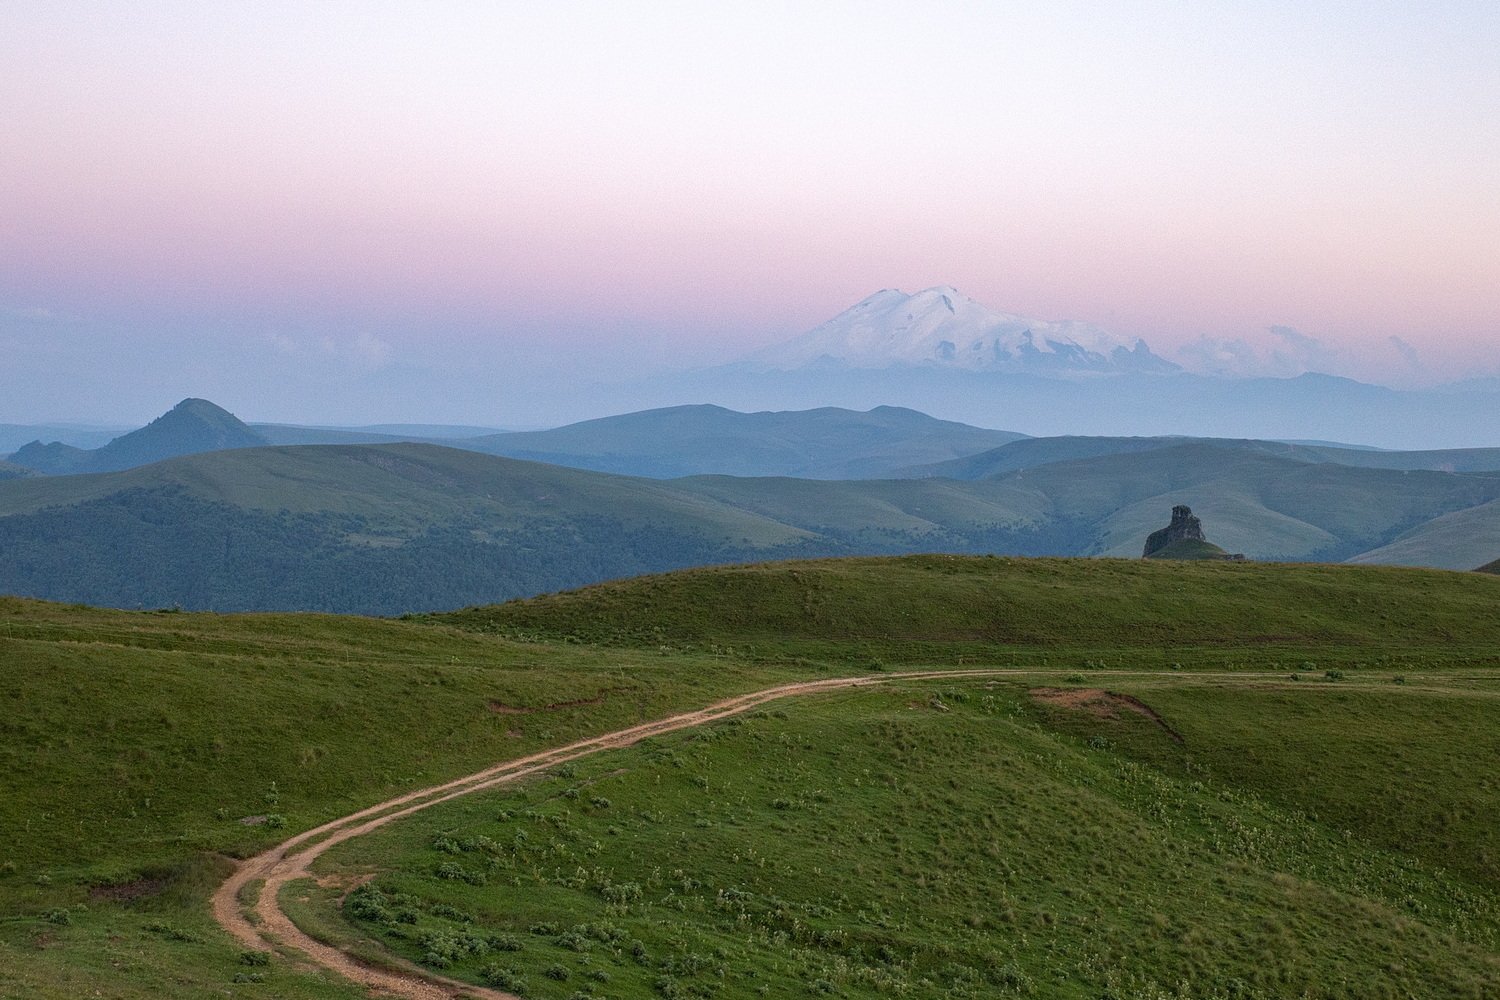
(503, 978)
(557, 972)
(255, 958)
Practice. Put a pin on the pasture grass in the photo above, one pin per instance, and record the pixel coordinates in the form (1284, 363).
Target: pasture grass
(1306, 832)
(928, 841)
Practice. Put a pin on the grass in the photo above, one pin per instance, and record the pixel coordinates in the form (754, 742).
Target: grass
(924, 841)
(954, 609)
(140, 746)
(987, 842)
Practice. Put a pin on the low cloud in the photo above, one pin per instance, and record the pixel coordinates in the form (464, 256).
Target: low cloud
(361, 354)
(1299, 353)
(32, 314)
(1284, 352)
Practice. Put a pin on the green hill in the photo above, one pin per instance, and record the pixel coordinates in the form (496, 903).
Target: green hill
(1452, 541)
(9, 471)
(355, 528)
(1263, 505)
(926, 609)
(1193, 775)
(1031, 453)
(415, 527)
(825, 443)
(1189, 549)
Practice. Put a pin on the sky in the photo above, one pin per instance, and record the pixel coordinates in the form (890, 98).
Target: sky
(468, 212)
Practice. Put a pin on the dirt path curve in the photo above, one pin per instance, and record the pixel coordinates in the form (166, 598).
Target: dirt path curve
(269, 926)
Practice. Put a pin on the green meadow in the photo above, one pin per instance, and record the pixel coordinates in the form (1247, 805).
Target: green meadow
(1293, 800)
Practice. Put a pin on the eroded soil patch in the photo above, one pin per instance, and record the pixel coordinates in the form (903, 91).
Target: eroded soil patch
(1101, 704)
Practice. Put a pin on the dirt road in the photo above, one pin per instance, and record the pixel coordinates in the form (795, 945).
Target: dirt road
(265, 925)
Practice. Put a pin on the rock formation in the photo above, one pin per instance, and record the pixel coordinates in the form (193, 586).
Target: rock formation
(1185, 526)
(1183, 539)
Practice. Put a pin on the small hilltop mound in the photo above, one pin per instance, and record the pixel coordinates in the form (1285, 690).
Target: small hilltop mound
(1183, 538)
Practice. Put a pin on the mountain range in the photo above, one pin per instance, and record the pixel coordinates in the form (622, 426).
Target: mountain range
(825, 443)
(940, 352)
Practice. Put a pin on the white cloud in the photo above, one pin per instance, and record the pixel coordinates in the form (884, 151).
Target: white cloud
(360, 354)
(1283, 352)
(34, 314)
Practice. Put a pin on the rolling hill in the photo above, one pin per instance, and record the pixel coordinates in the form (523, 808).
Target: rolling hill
(1136, 779)
(1029, 453)
(412, 527)
(826, 443)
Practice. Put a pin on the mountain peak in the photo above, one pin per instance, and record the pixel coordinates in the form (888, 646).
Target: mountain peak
(940, 327)
(192, 426)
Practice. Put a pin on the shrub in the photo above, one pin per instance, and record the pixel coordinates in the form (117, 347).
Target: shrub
(558, 972)
(503, 978)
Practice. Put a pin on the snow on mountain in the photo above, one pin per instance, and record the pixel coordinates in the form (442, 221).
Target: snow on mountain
(942, 328)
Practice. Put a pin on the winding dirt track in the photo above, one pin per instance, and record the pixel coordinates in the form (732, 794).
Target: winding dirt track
(291, 860)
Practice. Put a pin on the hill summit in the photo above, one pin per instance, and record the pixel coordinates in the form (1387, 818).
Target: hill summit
(1183, 538)
(190, 427)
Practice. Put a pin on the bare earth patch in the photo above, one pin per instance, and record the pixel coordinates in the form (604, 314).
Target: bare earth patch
(129, 892)
(1101, 704)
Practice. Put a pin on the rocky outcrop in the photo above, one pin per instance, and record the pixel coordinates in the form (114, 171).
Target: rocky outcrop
(1183, 539)
(1185, 526)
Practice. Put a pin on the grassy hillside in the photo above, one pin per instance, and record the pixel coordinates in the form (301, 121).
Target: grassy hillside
(969, 838)
(1264, 506)
(1453, 541)
(1189, 549)
(414, 527)
(1031, 453)
(143, 748)
(379, 529)
(9, 471)
(825, 443)
(946, 609)
(978, 839)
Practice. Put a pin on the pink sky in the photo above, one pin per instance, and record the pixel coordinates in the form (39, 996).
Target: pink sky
(699, 180)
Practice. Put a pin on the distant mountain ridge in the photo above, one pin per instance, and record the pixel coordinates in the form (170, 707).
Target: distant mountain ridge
(940, 327)
(823, 443)
(1030, 453)
(191, 427)
(698, 439)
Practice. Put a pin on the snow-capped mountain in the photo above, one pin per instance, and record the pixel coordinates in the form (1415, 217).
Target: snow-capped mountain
(941, 328)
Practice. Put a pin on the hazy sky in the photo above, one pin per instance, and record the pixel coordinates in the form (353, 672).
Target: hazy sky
(293, 207)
